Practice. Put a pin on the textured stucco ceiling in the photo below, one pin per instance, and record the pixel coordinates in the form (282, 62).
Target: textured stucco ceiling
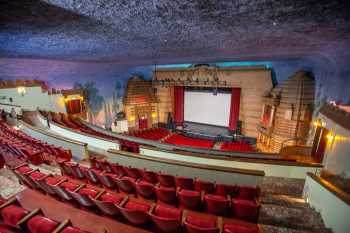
(165, 31)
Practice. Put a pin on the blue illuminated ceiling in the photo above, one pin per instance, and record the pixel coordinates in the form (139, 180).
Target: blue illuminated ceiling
(172, 31)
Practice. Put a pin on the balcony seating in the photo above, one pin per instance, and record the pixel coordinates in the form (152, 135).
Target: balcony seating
(217, 205)
(166, 195)
(245, 209)
(139, 211)
(205, 186)
(181, 140)
(30, 149)
(239, 228)
(241, 146)
(167, 219)
(150, 134)
(166, 180)
(189, 199)
(135, 212)
(184, 183)
(40, 224)
(145, 190)
(196, 224)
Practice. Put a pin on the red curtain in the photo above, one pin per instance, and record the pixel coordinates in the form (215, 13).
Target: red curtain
(73, 106)
(179, 104)
(234, 110)
(143, 123)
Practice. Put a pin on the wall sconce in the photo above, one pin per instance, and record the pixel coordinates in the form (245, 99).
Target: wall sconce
(330, 137)
(154, 115)
(131, 118)
(21, 90)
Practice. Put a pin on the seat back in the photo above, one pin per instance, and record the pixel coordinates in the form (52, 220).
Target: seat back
(226, 189)
(217, 206)
(166, 225)
(106, 166)
(40, 224)
(166, 195)
(189, 200)
(148, 176)
(82, 199)
(106, 207)
(196, 224)
(132, 172)
(166, 180)
(61, 192)
(91, 176)
(206, 186)
(125, 185)
(45, 187)
(145, 190)
(65, 169)
(117, 169)
(77, 172)
(107, 181)
(134, 216)
(184, 183)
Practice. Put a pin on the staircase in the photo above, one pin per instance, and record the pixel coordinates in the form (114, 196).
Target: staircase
(284, 211)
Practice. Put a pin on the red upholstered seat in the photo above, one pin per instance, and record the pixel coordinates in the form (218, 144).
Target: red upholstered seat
(72, 230)
(239, 228)
(24, 169)
(245, 209)
(166, 195)
(12, 214)
(110, 197)
(126, 184)
(216, 204)
(132, 172)
(69, 186)
(167, 212)
(166, 180)
(135, 212)
(53, 180)
(145, 190)
(131, 205)
(196, 224)
(148, 176)
(189, 199)
(37, 175)
(167, 219)
(248, 192)
(88, 192)
(206, 186)
(226, 189)
(184, 183)
(40, 224)
(6, 229)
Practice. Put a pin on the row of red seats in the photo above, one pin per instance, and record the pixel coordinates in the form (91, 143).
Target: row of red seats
(237, 146)
(136, 211)
(150, 134)
(15, 219)
(242, 206)
(35, 151)
(181, 140)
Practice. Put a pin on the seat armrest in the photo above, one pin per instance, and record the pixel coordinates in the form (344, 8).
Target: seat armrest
(79, 187)
(153, 206)
(8, 202)
(220, 223)
(99, 194)
(28, 216)
(46, 176)
(62, 225)
(60, 182)
(184, 216)
(18, 166)
(122, 203)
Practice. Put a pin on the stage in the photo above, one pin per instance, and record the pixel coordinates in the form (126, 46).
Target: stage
(205, 131)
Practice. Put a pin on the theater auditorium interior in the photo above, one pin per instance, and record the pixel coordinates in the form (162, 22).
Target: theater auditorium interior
(174, 116)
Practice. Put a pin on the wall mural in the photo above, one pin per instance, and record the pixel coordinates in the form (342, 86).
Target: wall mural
(104, 83)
